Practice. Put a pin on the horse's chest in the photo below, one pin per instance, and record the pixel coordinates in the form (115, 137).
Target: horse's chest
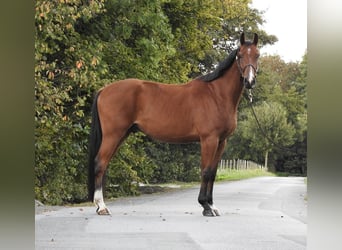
(228, 126)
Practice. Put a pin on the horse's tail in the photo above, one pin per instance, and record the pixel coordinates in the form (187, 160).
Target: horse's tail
(95, 140)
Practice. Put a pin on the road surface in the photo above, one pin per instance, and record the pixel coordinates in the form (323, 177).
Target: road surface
(259, 213)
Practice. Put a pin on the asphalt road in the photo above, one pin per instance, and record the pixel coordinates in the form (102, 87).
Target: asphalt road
(260, 213)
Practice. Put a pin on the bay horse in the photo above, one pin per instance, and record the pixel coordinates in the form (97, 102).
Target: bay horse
(203, 110)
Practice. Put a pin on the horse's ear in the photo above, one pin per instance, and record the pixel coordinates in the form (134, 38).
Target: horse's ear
(256, 38)
(242, 38)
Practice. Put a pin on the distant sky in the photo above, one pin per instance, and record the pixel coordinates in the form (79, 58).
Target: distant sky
(287, 20)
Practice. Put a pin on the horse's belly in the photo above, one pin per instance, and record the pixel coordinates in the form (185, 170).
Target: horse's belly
(169, 132)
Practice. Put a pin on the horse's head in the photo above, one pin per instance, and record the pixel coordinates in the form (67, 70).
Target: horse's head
(247, 60)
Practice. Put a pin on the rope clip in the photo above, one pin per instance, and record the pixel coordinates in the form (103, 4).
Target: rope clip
(250, 95)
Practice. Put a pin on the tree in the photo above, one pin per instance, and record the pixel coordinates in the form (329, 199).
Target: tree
(275, 130)
(295, 159)
(209, 30)
(66, 70)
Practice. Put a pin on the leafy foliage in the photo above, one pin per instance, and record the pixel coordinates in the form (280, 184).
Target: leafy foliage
(65, 75)
(275, 129)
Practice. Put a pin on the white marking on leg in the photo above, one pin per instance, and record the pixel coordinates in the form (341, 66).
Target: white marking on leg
(213, 206)
(98, 200)
(98, 197)
(215, 210)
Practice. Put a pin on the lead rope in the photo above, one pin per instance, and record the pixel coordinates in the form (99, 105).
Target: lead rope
(249, 97)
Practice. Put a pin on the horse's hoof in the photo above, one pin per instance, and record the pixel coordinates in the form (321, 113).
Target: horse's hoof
(104, 211)
(208, 212)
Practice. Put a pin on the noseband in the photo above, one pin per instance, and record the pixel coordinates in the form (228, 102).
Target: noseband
(242, 70)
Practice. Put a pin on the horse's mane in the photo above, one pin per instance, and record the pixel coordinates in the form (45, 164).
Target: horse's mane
(221, 68)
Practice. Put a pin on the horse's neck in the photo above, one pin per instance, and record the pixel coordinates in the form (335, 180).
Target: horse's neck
(229, 87)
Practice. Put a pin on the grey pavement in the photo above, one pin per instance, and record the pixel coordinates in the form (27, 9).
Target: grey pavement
(259, 213)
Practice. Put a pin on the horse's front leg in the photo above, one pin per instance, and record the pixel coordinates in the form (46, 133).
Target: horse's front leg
(208, 175)
(210, 188)
(209, 147)
(204, 197)
(213, 208)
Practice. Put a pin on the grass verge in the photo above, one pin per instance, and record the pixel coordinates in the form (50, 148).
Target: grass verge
(231, 175)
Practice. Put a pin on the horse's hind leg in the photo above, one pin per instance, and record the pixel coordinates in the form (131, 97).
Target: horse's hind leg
(109, 146)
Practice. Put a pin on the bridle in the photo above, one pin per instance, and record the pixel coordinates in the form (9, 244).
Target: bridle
(242, 70)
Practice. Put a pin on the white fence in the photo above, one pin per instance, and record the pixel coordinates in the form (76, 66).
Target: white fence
(238, 164)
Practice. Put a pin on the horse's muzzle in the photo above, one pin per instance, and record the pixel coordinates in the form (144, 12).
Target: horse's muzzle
(249, 84)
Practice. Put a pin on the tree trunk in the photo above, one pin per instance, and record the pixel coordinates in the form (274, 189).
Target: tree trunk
(266, 159)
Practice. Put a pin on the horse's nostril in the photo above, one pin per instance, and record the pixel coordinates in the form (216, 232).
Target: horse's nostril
(249, 84)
